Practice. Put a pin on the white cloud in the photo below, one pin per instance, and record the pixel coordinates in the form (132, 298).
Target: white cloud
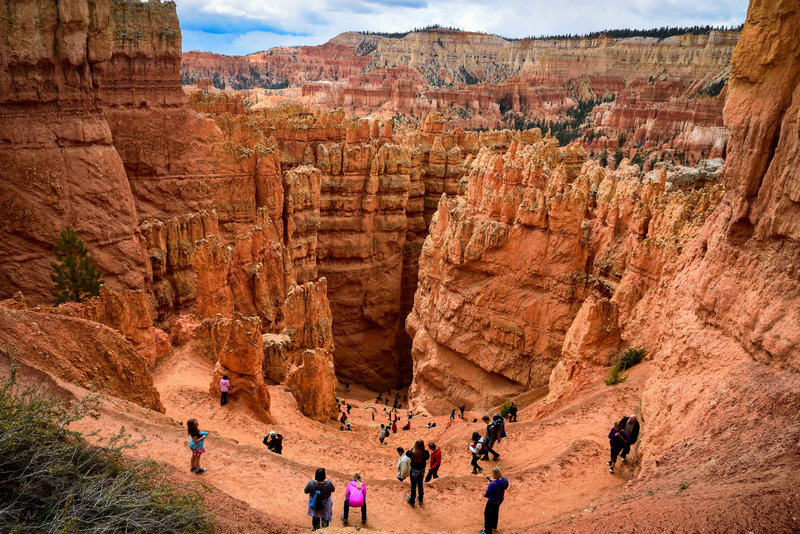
(242, 26)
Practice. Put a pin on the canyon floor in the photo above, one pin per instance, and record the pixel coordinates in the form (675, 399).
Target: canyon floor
(554, 456)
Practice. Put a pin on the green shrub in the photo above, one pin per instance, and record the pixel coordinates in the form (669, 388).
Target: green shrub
(53, 480)
(627, 359)
(505, 408)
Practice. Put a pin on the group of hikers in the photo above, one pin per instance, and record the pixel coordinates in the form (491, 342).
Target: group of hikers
(413, 463)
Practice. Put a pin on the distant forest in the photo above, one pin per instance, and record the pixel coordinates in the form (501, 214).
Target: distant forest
(659, 33)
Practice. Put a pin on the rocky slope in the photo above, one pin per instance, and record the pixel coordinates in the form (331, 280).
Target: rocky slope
(667, 93)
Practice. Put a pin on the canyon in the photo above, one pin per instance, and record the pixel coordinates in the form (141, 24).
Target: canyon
(316, 255)
(642, 94)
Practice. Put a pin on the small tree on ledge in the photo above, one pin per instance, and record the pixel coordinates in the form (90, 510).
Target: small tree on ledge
(76, 277)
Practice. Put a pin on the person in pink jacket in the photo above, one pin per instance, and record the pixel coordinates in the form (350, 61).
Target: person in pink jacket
(355, 496)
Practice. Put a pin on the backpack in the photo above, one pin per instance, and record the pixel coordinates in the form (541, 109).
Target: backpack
(319, 502)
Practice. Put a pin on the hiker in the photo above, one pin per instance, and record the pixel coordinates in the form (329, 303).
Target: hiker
(274, 442)
(373, 416)
(436, 461)
(349, 407)
(476, 447)
(453, 415)
(355, 496)
(403, 465)
(500, 426)
(617, 438)
(197, 441)
(489, 439)
(630, 425)
(410, 415)
(407, 426)
(394, 427)
(512, 412)
(405, 397)
(224, 386)
(419, 458)
(461, 409)
(382, 434)
(495, 493)
(347, 386)
(320, 504)
(343, 418)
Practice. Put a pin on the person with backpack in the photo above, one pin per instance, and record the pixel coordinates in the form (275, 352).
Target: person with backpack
(500, 426)
(403, 465)
(631, 427)
(274, 442)
(489, 439)
(419, 459)
(383, 434)
(476, 447)
(436, 461)
(495, 493)
(617, 439)
(320, 504)
(355, 496)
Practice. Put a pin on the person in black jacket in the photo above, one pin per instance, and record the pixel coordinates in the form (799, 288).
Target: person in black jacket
(489, 439)
(630, 425)
(419, 459)
(322, 514)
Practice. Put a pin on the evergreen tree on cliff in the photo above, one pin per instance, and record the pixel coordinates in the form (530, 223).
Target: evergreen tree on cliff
(76, 277)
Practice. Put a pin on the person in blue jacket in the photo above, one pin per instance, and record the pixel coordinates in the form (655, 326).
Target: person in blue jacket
(495, 493)
(618, 439)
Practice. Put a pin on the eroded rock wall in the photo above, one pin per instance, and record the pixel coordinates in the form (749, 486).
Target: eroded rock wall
(536, 246)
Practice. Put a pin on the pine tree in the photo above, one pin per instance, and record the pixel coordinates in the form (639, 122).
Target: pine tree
(76, 277)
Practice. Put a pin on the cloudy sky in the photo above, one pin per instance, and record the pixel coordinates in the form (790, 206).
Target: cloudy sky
(244, 26)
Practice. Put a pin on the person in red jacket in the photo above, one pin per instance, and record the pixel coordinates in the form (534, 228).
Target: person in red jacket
(436, 461)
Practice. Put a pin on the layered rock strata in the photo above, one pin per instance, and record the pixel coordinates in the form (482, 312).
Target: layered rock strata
(539, 259)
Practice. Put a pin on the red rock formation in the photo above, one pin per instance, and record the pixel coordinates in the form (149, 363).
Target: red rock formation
(665, 88)
(59, 166)
(80, 351)
(536, 247)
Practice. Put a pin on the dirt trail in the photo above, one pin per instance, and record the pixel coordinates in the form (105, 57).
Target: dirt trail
(555, 464)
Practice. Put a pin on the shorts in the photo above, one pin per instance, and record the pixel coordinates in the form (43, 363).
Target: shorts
(198, 452)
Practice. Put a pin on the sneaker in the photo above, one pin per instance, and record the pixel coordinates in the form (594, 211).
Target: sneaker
(420, 501)
(608, 464)
(409, 501)
(344, 520)
(623, 459)
(193, 469)
(611, 470)
(200, 471)
(474, 471)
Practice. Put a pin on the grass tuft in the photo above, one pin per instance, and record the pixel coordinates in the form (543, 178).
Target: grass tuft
(627, 359)
(53, 480)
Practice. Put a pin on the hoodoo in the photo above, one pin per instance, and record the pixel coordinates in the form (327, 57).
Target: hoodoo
(329, 250)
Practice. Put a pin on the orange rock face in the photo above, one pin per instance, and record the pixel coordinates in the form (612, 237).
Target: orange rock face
(668, 93)
(540, 257)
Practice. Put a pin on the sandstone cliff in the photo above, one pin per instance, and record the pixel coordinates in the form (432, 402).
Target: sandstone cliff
(667, 94)
(543, 257)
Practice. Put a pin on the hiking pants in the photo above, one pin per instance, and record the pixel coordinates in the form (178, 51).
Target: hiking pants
(614, 452)
(490, 449)
(475, 462)
(490, 514)
(223, 398)
(416, 485)
(432, 473)
(346, 513)
(626, 449)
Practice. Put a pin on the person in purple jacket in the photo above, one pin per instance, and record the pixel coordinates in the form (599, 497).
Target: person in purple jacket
(618, 439)
(494, 495)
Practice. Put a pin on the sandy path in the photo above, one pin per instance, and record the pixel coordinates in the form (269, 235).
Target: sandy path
(555, 464)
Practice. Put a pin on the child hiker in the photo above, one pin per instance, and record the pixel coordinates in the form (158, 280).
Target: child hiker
(197, 441)
(355, 496)
(224, 386)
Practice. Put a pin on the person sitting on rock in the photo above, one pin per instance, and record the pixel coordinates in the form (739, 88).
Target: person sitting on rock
(274, 442)
(407, 426)
(617, 439)
(348, 427)
(631, 427)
